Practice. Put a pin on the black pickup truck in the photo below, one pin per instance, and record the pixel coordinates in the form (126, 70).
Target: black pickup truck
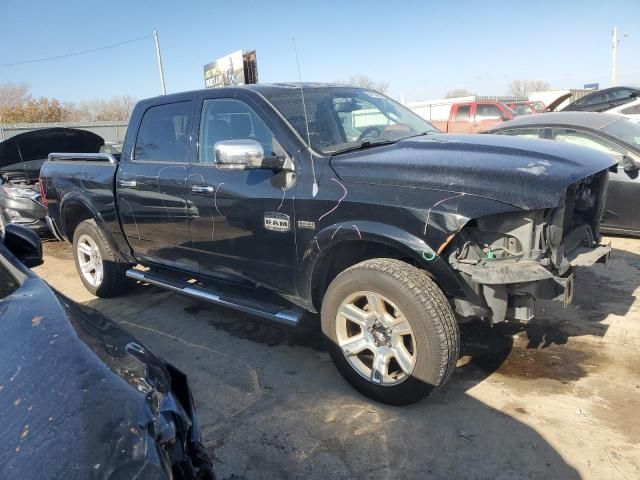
(280, 199)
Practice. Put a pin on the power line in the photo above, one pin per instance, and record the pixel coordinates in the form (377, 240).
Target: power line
(57, 57)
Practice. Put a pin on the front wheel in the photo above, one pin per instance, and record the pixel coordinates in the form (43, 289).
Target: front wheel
(100, 270)
(391, 331)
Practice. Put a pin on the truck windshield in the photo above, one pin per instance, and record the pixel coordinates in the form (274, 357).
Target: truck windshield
(343, 118)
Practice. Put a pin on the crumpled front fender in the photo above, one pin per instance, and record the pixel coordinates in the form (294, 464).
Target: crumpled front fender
(402, 242)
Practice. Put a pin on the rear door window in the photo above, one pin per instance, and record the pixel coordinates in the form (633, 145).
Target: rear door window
(163, 135)
(462, 114)
(621, 94)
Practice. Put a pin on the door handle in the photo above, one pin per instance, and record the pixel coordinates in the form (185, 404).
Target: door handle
(127, 183)
(202, 189)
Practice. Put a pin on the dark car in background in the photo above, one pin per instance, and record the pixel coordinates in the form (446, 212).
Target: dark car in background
(81, 398)
(611, 134)
(603, 100)
(20, 160)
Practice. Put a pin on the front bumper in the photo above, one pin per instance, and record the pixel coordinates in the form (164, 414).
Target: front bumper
(508, 288)
(24, 211)
(501, 272)
(39, 226)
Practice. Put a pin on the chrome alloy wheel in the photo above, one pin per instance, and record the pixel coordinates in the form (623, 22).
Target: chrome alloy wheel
(376, 338)
(90, 260)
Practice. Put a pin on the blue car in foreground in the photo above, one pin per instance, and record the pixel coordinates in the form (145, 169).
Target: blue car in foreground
(81, 397)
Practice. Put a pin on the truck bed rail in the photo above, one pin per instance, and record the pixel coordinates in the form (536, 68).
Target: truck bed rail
(91, 157)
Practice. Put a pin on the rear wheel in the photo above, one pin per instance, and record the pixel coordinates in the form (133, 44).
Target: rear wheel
(100, 270)
(391, 331)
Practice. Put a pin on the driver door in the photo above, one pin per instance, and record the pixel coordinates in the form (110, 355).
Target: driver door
(233, 235)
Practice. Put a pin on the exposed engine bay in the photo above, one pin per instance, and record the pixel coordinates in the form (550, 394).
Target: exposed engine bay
(21, 158)
(22, 179)
(508, 261)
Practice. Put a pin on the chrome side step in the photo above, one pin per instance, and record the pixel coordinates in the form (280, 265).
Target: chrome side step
(290, 316)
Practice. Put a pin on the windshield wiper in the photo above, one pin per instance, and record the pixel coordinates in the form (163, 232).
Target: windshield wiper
(364, 145)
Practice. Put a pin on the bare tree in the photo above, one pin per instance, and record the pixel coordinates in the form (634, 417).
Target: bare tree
(522, 88)
(17, 105)
(13, 94)
(116, 108)
(459, 92)
(363, 81)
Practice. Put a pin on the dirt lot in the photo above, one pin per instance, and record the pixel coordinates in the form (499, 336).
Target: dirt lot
(558, 397)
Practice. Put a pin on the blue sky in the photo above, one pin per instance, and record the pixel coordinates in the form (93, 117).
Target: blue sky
(422, 48)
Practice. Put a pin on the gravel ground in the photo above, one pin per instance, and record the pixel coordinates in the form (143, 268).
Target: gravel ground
(558, 397)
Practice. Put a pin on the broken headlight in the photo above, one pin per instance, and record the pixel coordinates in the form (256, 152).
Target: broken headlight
(15, 191)
(510, 235)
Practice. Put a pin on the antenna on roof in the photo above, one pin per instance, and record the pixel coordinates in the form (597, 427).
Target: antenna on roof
(314, 188)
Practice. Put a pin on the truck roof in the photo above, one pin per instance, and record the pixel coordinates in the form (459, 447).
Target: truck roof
(258, 87)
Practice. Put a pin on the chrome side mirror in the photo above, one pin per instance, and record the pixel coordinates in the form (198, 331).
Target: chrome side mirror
(240, 154)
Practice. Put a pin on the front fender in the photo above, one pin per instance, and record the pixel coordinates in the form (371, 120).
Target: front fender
(405, 244)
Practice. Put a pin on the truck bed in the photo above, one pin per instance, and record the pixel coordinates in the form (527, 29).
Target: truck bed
(82, 179)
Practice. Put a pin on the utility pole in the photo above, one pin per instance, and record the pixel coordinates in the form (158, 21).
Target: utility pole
(155, 37)
(614, 56)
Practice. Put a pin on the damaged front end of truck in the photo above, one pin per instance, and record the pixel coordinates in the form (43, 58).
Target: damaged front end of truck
(507, 261)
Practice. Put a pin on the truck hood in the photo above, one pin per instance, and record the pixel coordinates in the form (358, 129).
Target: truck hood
(528, 174)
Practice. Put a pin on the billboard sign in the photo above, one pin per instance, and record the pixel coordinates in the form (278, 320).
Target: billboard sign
(237, 68)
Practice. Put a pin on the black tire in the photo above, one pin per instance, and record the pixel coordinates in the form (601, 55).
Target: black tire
(114, 277)
(426, 309)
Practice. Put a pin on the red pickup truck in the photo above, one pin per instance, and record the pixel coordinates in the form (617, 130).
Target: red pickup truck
(474, 117)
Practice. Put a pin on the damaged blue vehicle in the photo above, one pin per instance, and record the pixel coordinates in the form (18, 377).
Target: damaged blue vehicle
(81, 398)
